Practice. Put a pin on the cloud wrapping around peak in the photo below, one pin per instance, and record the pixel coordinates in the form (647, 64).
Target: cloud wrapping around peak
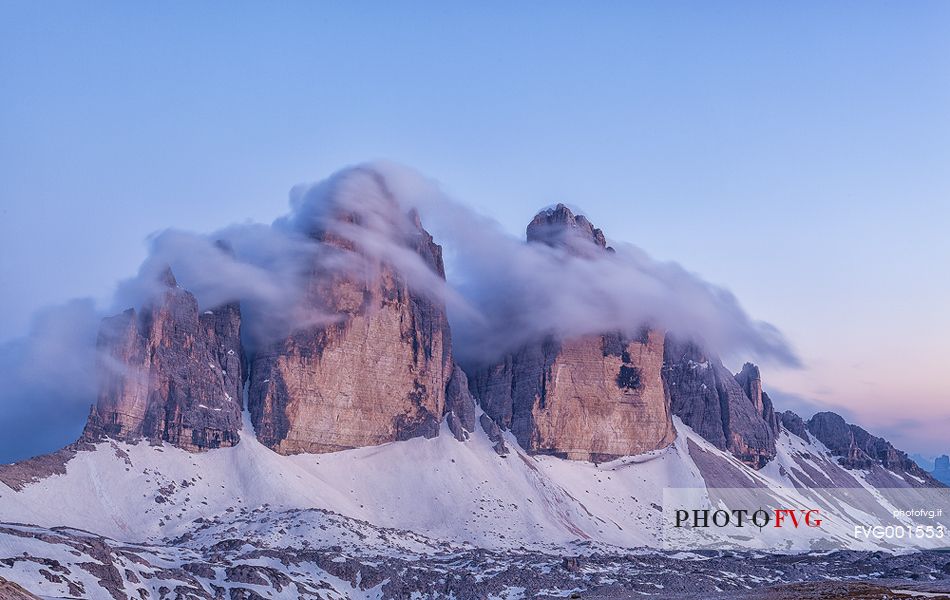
(514, 291)
(500, 292)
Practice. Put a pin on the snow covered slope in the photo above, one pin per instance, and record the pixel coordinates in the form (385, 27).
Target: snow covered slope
(138, 520)
(443, 489)
(221, 560)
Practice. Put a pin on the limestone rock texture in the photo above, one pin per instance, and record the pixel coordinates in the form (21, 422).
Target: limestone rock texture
(377, 370)
(12, 591)
(171, 373)
(593, 397)
(717, 405)
(560, 227)
(834, 432)
(461, 412)
(494, 433)
(794, 424)
(750, 380)
(858, 449)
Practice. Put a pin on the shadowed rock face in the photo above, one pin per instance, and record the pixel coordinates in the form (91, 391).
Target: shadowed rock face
(750, 380)
(460, 409)
(708, 398)
(858, 449)
(171, 373)
(376, 372)
(12, 591)
(594, 397)
(794, 424)
(834, 432)
(559, 227)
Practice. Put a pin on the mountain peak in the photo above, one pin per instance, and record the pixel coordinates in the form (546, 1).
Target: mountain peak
(167, 278)
(560, 227)
(749, 371)
(858, 449)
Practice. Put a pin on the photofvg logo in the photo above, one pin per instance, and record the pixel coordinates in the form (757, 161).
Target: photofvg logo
(796, 519)
(740, 517)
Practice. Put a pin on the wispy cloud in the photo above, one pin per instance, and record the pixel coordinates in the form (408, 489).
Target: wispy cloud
(500, 291)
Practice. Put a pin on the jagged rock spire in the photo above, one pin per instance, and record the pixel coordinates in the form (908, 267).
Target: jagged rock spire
(717, 405)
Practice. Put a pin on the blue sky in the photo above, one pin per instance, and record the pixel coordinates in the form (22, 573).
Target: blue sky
(798, 154)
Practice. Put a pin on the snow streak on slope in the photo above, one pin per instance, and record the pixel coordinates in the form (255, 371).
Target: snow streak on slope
(444, 490)
(439, 487)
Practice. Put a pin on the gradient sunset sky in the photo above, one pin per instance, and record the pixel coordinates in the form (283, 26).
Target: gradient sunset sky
(797, 154)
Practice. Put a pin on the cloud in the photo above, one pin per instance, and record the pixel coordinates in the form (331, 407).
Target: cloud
(500, 291)
(344, 227)
(512, 291)
(48, 380)
(262, 268)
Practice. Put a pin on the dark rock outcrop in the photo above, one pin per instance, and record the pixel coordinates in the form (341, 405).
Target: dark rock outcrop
(12, 591)
(834, 432)
(750, 380)
(593, 397)
(858, 449)
(171, 373)
(794, 424)
(18, 475)
(560, 227)
(377, 371)
(460, 409)
(494, 434)
(708, 398)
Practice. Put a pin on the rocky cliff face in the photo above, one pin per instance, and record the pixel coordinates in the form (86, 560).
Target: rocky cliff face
(378, 370)
(460, 410)
(750, 380)
(730, 411)
(171, 373)
(795, 425)
(858, 449)
(594, 397)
